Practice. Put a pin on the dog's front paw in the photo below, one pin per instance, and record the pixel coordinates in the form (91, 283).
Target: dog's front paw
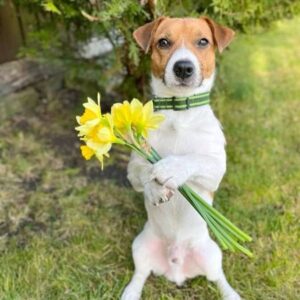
(156, 193)
(171, 172)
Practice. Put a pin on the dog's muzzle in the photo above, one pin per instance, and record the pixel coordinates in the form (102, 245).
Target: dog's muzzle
(183, 69)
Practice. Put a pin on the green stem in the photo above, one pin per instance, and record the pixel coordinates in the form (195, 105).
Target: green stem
(218, 229)
(138, 150)
(133, 138)
(203, 214)
(226, 241)
(220, 216)
(155, 154)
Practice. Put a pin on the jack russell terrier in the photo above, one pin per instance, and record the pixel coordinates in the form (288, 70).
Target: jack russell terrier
(175, 241)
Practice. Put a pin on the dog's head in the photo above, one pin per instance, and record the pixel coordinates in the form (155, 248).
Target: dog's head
(183, 49)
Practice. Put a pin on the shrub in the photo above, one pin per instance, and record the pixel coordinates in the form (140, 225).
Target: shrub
(58, 29)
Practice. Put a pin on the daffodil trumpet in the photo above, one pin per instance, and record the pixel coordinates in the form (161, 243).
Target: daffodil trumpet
(128, 124)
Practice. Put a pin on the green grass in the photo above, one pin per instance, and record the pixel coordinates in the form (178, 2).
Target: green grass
(66, 229)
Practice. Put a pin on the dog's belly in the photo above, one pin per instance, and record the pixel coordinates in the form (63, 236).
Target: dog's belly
(177, 261)
(177, 230)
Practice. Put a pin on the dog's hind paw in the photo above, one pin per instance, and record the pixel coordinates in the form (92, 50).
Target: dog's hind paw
(130, 293)
(232, 296)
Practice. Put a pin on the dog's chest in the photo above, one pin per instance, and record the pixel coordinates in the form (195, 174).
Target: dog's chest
(193, 131)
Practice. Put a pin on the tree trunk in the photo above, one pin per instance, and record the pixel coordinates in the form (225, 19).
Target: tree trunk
(10, 36)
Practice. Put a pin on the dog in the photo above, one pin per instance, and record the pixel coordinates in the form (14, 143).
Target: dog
(175, 241)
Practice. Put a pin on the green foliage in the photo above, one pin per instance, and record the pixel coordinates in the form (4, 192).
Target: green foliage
(51, 7)
(60, 27)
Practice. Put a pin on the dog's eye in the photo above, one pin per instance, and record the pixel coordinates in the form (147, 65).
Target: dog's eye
(203, 43)
(164, 43)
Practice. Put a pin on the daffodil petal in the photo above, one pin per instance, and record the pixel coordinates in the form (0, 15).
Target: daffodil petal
(122, 116)
(86, 152)
(148, 109)
(100, 148)
(136, 111)
(155, 120)
(93, 106)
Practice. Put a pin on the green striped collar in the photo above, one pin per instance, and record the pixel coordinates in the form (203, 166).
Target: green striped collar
(181, 103)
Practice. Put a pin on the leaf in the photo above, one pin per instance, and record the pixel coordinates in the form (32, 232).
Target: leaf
(51, 7)
(134, 54)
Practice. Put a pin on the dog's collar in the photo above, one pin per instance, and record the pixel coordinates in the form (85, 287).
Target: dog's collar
(181, 103)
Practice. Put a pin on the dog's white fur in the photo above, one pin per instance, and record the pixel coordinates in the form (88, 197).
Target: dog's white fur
(175, 241)
(169, 76)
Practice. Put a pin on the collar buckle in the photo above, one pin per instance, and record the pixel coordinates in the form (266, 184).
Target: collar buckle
(187, 101)
(173, 103)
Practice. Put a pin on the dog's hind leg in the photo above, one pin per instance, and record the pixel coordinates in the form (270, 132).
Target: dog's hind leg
(228, 293)
(210, 260)
(146, 252)
(134, 288)
(142, 270)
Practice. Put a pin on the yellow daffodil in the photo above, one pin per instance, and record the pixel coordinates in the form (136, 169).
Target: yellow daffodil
(92, 111)
(97, 131)
(122, 116)
(90, 118)
(103, 132)
(101, 139)
(145, 118)
(129, 120)
(136, 116)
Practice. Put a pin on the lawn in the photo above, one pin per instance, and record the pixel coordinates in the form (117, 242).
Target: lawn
(66, 228)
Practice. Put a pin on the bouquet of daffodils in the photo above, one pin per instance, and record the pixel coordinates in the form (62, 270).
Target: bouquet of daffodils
(128, 124)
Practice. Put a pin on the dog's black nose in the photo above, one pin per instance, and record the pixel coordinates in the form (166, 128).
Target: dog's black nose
(183, 69)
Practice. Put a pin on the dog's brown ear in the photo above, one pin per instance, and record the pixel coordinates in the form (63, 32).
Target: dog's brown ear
(144, 34)
(222, 35)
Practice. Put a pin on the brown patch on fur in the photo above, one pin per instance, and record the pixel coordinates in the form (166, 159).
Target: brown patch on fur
(222, 35)
(144, 34)
(187, 32)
